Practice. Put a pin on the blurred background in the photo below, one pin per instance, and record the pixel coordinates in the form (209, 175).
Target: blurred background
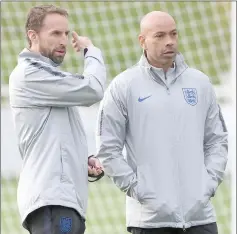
(207, 41)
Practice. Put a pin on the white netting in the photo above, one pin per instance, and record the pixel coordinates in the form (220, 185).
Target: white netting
(205, 41)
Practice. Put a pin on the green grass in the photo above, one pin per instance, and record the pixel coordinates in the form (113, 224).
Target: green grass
(106, 208)
(205, 45)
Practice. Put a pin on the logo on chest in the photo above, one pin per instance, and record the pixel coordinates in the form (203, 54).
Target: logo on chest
(141, 99)
(190, 96)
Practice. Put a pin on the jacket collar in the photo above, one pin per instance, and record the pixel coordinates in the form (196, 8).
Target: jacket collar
(179, 64)
(26, 53)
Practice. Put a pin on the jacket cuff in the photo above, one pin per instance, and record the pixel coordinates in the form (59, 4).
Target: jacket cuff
(92, 51)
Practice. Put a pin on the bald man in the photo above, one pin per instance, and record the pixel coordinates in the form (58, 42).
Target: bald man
(167, 117)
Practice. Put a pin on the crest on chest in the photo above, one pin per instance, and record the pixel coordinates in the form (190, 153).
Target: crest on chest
(190, 96)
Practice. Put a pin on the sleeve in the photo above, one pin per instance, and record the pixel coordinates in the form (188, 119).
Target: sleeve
(110, 138)
(215, 143)
(47, 86)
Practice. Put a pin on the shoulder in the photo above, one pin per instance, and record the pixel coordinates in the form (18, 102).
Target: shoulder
(23, 67)
(124, 79)
(18, 73)
(198, 76)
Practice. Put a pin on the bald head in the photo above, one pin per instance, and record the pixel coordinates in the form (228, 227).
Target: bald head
(158, 38)
(156, 20)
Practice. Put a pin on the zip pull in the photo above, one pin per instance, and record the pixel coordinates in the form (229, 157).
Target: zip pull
(184, 229)
(168, 90)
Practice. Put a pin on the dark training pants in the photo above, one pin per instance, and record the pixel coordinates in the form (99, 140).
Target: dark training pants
(202, 229)
(55, 220)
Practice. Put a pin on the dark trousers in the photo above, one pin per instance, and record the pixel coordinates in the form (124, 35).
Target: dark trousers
(55, 220)
(202, 229)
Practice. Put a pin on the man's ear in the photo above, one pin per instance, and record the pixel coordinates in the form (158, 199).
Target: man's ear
(141, 39)
(32, 35)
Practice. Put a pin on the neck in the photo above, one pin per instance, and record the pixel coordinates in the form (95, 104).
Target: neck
(34, 49)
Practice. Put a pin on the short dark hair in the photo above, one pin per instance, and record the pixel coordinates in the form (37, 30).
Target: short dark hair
(37, 15)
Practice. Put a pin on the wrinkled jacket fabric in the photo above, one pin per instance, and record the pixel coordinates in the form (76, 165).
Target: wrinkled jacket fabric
(175, 142)
(51, 138)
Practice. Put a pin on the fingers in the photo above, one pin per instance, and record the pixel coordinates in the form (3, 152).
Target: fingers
(90, 170)
(98, 164)
(75, 45)
(94, 162)
(75, 41)
(94, 171)
(74, 35)
(97, 172)
(80, 42)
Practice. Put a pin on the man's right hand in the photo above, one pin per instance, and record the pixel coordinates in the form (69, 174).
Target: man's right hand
(80, 43)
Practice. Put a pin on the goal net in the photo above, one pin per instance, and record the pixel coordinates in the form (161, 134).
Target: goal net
(205, 41)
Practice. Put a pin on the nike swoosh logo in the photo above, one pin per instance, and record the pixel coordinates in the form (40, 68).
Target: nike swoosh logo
(142, 99)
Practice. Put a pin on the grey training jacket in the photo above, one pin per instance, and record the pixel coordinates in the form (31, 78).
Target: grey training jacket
(52, 141)
(176, 144)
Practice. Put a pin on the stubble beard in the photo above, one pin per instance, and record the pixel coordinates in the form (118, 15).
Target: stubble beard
(50, 54)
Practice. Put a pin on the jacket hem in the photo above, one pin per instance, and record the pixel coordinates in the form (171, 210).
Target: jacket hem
(52, 203)
(169, 224)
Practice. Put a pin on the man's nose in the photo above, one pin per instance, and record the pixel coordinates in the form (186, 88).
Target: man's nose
(170, 41)
(64, 40)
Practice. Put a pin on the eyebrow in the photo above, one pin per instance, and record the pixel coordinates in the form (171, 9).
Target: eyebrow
(174, 30)
(57, 30)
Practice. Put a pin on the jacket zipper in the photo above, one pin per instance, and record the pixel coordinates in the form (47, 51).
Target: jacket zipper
(168, 91)
(183, 221)
(154, 75)
(167, 88)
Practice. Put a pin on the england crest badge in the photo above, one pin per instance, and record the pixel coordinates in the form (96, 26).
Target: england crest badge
(190, 96)
(65, 224)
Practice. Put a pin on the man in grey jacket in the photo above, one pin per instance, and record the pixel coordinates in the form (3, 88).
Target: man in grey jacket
(167, 117)
(53, 186)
